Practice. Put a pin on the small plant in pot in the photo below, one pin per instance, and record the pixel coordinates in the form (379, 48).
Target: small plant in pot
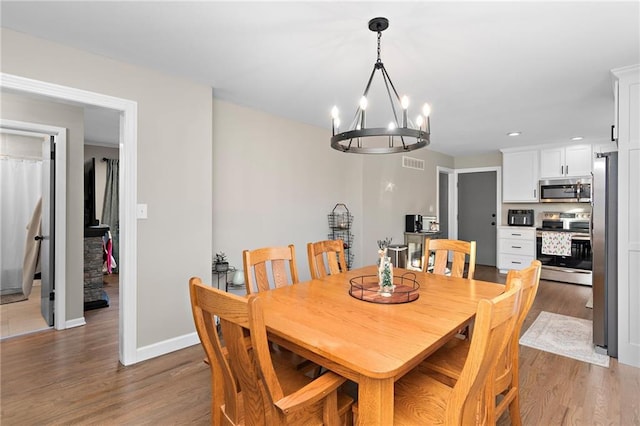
(221, 264)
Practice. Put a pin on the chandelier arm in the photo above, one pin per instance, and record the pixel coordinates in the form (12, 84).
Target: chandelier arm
(366, 92)
(384, 70)
(386, 77)
(387, 80)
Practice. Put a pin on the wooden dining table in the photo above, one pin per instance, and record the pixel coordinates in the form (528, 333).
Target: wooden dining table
(369, 343)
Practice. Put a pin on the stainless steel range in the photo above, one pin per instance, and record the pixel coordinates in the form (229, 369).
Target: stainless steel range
(575, 264)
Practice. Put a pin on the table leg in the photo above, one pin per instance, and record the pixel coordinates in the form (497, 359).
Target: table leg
(375, 401)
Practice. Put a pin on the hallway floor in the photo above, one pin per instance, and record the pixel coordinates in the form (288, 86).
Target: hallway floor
(22, 317)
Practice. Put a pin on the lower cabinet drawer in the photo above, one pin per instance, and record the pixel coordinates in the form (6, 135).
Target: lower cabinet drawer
(509, 261)
(518, 247)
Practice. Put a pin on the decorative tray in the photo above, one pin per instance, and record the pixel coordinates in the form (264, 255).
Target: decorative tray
(366, 287)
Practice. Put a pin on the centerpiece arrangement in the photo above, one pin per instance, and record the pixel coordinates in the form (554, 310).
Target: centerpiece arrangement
(383, 287)
(385, 269)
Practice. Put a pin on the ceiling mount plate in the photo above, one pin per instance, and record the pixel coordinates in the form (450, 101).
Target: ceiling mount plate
(378, 24)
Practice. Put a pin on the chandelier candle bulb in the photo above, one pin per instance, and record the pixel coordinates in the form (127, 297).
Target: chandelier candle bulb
(405, 106)
(335, 120)
(363, 107)
(419, 122)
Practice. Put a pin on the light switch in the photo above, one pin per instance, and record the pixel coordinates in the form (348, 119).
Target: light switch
(142, 211)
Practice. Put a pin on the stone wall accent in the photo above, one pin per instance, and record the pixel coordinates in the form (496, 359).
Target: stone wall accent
(93, 276)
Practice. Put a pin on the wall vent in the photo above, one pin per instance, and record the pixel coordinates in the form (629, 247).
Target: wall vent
(412, 163)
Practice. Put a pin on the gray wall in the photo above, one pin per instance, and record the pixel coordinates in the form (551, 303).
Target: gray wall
(390, 192)
(486, 160)
(21, 108)
(274, 183)
(173, 169)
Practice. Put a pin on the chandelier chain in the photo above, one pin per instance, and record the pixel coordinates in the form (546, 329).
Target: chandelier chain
(379, 37)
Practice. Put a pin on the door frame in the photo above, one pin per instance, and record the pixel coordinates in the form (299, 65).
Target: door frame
(454, 194)
(59, 135)
(451, 184)
(128, 353)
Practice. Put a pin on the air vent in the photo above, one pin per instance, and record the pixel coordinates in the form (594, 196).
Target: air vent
(412, 163)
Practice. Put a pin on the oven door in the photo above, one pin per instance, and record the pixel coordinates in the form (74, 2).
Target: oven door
(572, 269)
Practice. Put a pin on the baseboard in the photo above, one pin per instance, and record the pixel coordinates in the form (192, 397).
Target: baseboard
(76, 322)
(171, 345)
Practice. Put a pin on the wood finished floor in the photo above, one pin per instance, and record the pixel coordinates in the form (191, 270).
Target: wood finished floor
(24, 316)
(73, 377)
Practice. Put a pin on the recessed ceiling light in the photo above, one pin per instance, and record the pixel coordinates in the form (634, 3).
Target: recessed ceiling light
(514, 133)
(577, 138)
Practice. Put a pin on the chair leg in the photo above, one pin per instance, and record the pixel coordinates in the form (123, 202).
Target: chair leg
(514, 411)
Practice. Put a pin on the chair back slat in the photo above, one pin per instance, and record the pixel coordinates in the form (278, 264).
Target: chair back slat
(326, 258)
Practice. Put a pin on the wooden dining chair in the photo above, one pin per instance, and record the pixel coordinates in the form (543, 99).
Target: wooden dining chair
(460, 250)
(258, 262)
(420, 399)
(249, 387)
(256, 277)
(326, 258)
(450, 359)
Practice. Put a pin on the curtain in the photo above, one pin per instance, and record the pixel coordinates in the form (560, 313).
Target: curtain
(20, 190)
(111, 209)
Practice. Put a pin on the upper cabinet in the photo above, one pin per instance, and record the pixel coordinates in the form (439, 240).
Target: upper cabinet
(566, 161)
(520, 175)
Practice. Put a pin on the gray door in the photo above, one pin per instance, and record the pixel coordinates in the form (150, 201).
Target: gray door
(47, 236)
(477, 213)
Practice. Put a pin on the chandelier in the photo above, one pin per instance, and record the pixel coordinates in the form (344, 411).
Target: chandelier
(401, 134)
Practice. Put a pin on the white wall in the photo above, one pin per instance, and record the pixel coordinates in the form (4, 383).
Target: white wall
(173, 171)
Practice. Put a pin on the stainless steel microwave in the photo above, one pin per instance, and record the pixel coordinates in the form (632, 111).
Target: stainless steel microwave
(577, 190)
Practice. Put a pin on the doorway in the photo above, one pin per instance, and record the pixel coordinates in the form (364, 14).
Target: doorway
(477, 207)
(26, 228)
(128, 353)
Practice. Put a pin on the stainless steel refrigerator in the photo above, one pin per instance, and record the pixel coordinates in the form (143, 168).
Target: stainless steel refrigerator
(605, 253)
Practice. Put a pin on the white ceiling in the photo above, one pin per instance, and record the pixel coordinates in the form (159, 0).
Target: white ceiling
(487, 68)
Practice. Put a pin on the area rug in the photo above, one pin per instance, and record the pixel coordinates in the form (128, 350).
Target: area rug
(11, 298)
(563, 335)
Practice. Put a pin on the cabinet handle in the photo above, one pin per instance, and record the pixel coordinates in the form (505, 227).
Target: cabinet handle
(613, 127)
(516, 247)
(534, 194)
(517, 263)
(516, 235)
(562, 170)
(567, 169)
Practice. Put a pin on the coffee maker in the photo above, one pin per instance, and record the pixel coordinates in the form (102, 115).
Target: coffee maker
(413, 223)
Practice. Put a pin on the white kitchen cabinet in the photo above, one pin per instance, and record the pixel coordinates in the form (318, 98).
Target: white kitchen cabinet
(566, 161)
(516, 247)
(628, 135)
(520, 176)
